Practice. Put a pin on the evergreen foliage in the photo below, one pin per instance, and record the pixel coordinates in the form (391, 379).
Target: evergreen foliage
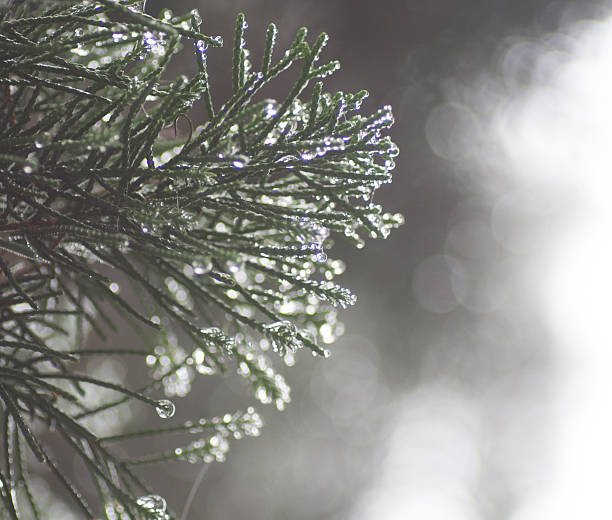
(223, 233)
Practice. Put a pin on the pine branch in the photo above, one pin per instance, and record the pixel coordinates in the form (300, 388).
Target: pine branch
(223, 232)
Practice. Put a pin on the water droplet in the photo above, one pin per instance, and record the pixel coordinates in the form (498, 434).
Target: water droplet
(223, 278)
(271, 110)
(165, 408)
(79, 49)
(138, 7)
(263, 395)
(152, 503)
(154, 43)
(196, 19)
(201, 46)
(321, 257)
(393, 150)
(202, 268)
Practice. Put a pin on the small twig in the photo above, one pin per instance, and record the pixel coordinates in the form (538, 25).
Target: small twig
(174, 124)
(193, 491)
(9, 104)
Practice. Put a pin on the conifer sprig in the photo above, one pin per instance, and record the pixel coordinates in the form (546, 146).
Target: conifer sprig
(223, 233)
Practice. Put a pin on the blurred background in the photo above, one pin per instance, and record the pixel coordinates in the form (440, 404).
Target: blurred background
(472, 381)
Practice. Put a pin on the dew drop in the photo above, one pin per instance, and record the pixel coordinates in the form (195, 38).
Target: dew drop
(263, 395)
(165, 409)
(271, 110)
(138, 7)
(202, 268)
(321, 257)
(308, 156)
(196, 18)
(154, 43)
(201, 46)
(152, 503)
(79, 49)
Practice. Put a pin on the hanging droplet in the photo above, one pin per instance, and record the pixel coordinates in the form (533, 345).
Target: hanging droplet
(196, 19)
(263, 395)
(202, 267)
(154, 43)
(320, 257)
(271, 109)
(201, 47)
(308, 156)
(152, 503)
(138, 7)
(165, 409)
(223, 278)
(79, 49)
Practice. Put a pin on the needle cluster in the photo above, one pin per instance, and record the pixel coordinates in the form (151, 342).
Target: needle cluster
(216, 240)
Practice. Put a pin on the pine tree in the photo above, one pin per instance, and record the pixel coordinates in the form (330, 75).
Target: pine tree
(222, 232)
